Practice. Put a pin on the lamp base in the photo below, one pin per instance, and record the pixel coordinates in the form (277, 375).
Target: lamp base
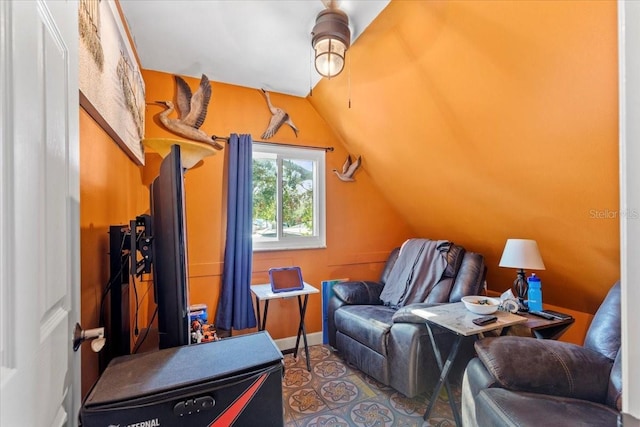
(520, 288)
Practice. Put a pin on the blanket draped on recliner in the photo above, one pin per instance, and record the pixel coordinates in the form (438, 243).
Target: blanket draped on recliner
(418, 269)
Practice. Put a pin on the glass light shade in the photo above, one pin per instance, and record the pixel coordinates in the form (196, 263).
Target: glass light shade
(329, 57)
(523, 254)
(330, 39)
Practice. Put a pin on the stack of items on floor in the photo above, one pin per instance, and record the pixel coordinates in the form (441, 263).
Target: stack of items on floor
(201, 331)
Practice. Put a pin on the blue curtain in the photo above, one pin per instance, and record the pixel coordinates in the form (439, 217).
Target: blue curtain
(235, 308)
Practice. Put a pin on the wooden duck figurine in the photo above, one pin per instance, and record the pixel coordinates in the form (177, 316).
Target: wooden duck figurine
(348, 169)
(192, 112)
(278, 118)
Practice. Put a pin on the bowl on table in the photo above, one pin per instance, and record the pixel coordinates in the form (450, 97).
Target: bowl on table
(480, 304)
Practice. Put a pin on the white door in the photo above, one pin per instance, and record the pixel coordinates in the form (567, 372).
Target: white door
(39, 213)
(629, 75)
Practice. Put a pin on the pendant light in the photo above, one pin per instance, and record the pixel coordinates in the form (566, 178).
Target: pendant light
(331, 38)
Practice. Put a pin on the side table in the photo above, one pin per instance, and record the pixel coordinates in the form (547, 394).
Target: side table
(456, 319)
(264, 293)
(541, 328)
(538, 327)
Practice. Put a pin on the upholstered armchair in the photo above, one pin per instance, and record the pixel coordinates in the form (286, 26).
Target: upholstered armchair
(518, 381)
(388, 342)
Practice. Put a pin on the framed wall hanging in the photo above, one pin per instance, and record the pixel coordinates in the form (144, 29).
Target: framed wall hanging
(111, 87)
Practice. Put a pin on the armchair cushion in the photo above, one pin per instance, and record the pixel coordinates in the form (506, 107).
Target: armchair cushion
(500, 407)
(358, 292)
(455, 254)
(604, 334)
(470, 278)
(546, 367)
(367, 324)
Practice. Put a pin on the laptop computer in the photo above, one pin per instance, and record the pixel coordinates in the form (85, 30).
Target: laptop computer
(284, 279)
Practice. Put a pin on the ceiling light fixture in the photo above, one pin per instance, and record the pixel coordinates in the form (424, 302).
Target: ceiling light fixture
(331, 38)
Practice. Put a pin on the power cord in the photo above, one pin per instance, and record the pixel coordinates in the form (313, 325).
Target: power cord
(146, 332)
(135, 291)
(109, 287)
(138, 299)
(110, 283)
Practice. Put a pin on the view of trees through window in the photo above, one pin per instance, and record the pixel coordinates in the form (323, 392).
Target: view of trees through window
(297, 197)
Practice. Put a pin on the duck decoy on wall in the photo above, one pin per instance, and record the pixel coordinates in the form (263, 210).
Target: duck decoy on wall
(278, 118)
(348, 169)
(192, 112)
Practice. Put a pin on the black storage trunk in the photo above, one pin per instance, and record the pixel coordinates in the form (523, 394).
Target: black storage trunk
(236, 381)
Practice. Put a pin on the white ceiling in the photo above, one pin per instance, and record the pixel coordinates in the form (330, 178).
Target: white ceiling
(253, 43)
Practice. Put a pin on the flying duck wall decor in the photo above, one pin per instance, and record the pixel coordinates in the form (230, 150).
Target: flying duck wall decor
(278, 118)
(192, 111)
(348, 169)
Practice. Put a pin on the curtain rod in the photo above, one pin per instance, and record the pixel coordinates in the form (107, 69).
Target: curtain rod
(311, 147)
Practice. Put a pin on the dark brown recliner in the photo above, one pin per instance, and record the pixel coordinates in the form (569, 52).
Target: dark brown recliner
(391, 344)
(518, 381)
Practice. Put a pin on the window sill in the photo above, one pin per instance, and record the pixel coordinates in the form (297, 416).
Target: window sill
(277, 249)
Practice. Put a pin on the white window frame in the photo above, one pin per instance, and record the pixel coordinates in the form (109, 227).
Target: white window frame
(318, 240)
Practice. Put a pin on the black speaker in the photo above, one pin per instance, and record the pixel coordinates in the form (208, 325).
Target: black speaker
(233, 382)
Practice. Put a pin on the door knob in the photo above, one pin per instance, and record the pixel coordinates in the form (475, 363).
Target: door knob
(96, 336)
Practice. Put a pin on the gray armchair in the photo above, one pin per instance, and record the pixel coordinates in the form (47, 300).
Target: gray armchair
(518, 381)
(389, 343)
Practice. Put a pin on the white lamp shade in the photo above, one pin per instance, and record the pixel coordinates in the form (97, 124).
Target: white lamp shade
(521, 253)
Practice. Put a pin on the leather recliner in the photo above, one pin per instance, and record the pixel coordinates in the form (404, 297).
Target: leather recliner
(518, 381)
(391, 344)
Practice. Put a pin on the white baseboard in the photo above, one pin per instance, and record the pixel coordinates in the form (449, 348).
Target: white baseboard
(289, 342)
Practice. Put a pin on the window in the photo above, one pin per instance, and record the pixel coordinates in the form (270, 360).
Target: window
(288, 197)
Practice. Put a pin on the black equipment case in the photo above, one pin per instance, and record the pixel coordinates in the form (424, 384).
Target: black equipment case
(236, 381)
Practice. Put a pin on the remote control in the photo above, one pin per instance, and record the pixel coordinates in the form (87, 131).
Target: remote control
(485, 320)
(543, 315)
(557, 314)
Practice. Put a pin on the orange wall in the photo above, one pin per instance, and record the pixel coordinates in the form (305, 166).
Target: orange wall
(111, 192)
(485, 120)
(361, 226)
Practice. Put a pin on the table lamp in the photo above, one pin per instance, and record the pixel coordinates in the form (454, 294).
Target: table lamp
(521, 254)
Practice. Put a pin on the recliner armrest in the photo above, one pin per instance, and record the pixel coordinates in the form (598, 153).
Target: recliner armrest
(358, 292)
(546, 367)
(404, 314)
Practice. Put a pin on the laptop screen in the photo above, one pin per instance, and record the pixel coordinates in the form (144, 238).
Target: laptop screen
(285, 279)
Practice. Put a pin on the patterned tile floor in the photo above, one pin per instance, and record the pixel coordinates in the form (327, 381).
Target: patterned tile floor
(335, 394)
